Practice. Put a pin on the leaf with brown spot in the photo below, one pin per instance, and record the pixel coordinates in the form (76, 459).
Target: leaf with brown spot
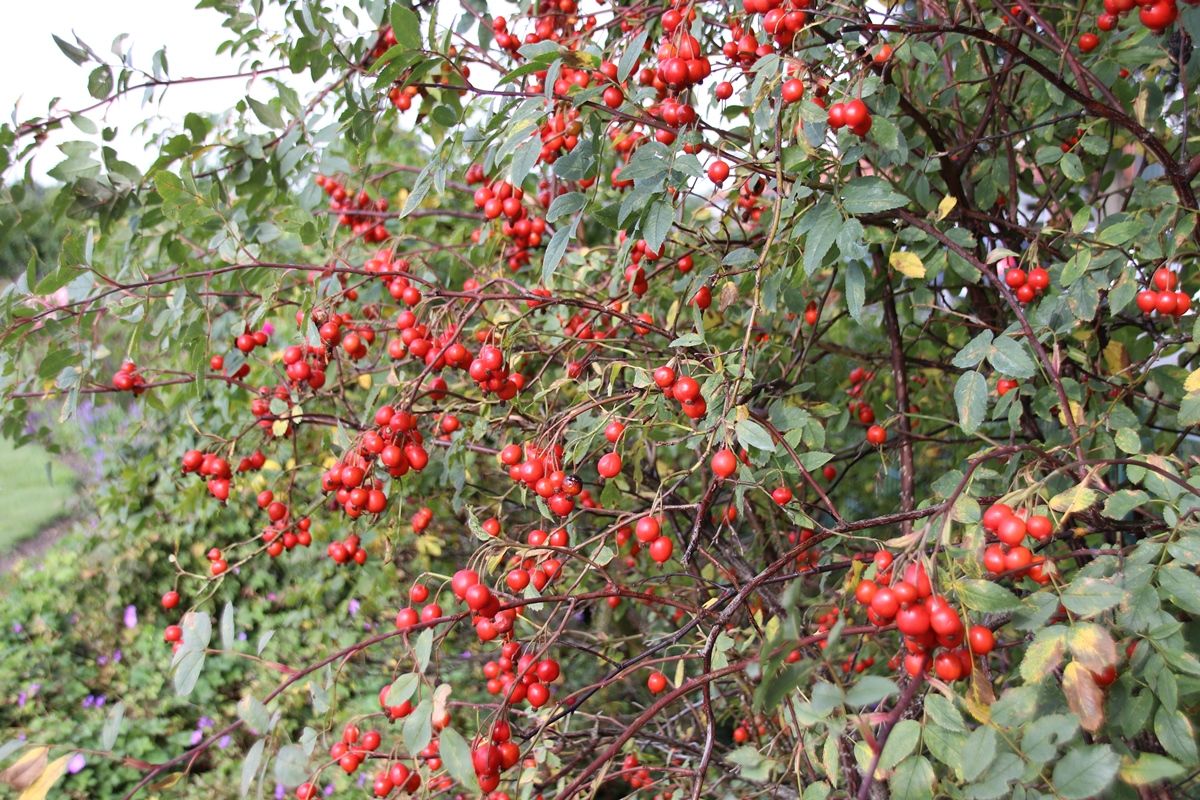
(1092, 646)
(1083, 696)
(27, 768)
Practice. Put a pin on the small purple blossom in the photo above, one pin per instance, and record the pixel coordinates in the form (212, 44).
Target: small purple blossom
(22, 699)
(102, 660)
(17, 627)
(197, 738)
(353, 607)
(280, 791)
(116, 656)
(131, 617)
(224, 741)
(76, 764)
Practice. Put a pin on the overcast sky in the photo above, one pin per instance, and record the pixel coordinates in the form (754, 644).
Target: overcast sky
(36, 71)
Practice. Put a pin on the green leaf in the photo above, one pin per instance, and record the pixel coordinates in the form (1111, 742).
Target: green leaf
(900, 743)
(555, 251)
(1121, 232)
(856, 292)
(1181, 586)
(1072, 167)
(980, 751)
(1174, 733)
(418, 728)
(970, 395)
(406, 26)
(1076, 499)
(266, 113)
(456, 754)
(986, 596)
(112, 726)
(100, 82)
(403, 688)
(1085, 771)
(251, 711)
(251, 765)
(869, 690)
(1088, 597)
(870, 196)
(912, 779)
(76, 54)
(291, 765)
(657, 224)
(227, 631)
(751, 434)
(1009, 357)
(566, 204)
(823, 222)
(423, 649)
(631, 55)
(1151, 768)
(187, 671)
(975, 351)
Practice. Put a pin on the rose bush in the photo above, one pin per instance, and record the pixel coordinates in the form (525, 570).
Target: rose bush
(660, 399)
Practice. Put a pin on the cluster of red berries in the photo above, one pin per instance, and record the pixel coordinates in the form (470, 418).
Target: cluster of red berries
(519, 678)
(527, 569)
(490, 370)
(305, 364)
(683, 388)
(407, 617)
(926, 620)
(1027, 286)
(743, 49)
(353, 748)
(217, 565)
(497, 753)
(501, 198)
(353, 341)
(347, 550)
(401, 97)
(279, 534)
(853, 115)
(128, 379)
(260, 406)
(637, 776)
(1009, 555)
(782, 20)
(539, 469)
(212, 467)
(367, 226)
(681, 60)
(1167, 300)
(248, 340)
(1157, 15)
(648, 531)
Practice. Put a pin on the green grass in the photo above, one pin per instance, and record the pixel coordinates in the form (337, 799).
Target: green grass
(35, 489)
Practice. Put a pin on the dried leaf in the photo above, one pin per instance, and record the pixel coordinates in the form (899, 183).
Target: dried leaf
(26, 769)
(41, 787)
(1083, 696)
(945, 207)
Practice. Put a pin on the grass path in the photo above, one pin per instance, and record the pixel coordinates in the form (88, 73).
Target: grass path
(36, 489)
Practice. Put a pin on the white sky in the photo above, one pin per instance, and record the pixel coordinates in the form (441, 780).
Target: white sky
(36, 71)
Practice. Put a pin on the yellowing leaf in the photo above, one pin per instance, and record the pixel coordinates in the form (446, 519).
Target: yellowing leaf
(27, 768)
(945, 207)
(1116, 358)
(1074, 500)
(441, 696)
(1083, 696)
(907, 263)
(279, 427)
(41, 787)
(1192, 384)
(364, 381)
(1076, 413)
(1092, 646)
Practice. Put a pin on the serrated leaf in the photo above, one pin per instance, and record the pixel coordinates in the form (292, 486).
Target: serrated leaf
(912, 779)
(1010, 358)
(1085, 771)
(1150, 768)
(870, 196)
(1088, 596)
(406, 26)
(900, 743)
(986, 596)
(1092, 646)
(974, 351)
(1119, 504)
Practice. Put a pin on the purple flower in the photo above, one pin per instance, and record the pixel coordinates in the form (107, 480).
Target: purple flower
(131, 618)
(116, 656)
(242, 636)
(101, 700)
(17, 627)
(353, 606)
(197, 738)
(77, 763)
(328, 790)
(268, 328)
(224, 741)
(205, 722)
(89, 701)
(280, 791)
(22, 699)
